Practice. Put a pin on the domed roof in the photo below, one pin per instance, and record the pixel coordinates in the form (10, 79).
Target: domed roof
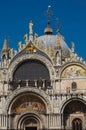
(48, 30)
(53, 40)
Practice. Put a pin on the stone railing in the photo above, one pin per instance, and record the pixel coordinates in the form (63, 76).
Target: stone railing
(42, 84)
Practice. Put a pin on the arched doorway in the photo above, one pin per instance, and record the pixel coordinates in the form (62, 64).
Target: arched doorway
(77, 124)
(31, 124)
(27, 112)
(29, 121)
(74, 115)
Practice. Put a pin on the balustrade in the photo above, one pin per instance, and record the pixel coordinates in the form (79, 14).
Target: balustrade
(43, 84)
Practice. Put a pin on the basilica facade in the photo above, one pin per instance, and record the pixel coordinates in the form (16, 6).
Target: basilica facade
(42, 84)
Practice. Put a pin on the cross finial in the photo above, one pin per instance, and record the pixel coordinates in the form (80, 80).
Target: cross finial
(49, 13)
(58, 25)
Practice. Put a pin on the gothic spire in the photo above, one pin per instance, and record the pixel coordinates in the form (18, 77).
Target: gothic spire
(5, 46)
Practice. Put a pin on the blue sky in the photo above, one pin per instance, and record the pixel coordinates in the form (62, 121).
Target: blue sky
(16, 14)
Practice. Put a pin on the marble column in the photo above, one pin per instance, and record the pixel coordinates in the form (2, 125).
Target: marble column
(35, 83)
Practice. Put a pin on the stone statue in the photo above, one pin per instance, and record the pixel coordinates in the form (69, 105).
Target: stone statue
(58, 59)
(73, 47)
(20, 45)
(30, 28)
(11, 51)
(15, 52)
(35, 37)
(26, 38)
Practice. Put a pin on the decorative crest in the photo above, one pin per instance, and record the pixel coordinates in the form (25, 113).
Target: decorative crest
(30, 48)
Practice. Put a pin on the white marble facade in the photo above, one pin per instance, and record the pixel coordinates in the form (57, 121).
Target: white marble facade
(57, 105)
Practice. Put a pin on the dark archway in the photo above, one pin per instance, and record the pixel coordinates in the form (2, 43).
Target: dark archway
(32, 71)
(29, 121)
(77, 124)
(73, 108)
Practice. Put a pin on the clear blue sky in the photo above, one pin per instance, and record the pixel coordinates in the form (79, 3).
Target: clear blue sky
(15, 15)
